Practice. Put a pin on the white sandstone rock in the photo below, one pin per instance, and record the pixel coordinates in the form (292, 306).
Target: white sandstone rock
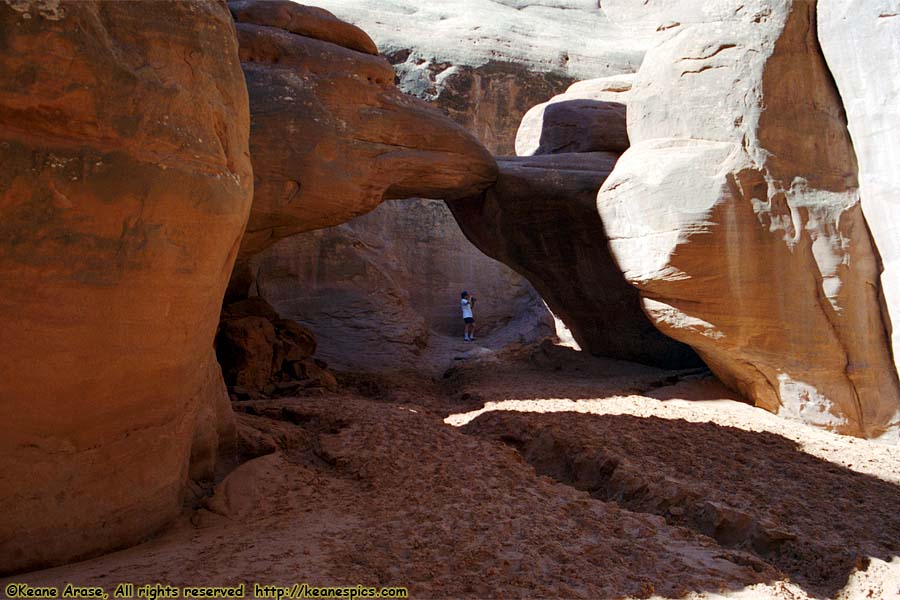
(861, 42)
(736, 213)
(574, 37)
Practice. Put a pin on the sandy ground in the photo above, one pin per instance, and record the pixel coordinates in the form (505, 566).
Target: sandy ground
(534, 473)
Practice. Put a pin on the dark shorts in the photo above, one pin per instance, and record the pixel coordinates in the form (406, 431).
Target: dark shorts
(468, 320)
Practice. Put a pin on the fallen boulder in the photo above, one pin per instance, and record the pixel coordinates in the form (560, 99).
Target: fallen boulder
(263, 354)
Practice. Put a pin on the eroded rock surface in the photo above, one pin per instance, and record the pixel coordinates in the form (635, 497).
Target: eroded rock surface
(308, 21)
(377, 290)
(408, 261)
(861, 42)
(264, 354)
(486, 62)
(125, 185)
(331, 135)
(736, 213)
(541, 219)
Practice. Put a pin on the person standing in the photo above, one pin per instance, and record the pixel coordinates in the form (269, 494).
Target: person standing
(468, 303)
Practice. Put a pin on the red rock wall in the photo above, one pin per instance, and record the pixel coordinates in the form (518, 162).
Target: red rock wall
(332, 137)
(125, 183)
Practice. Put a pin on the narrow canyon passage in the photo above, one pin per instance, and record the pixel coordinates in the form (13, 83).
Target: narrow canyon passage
(541, 471)
(239, 240)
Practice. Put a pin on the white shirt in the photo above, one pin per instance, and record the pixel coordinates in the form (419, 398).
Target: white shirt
(466, 308)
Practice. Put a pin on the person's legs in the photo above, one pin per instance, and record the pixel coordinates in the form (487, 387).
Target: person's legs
(469, 329)
(472, 330)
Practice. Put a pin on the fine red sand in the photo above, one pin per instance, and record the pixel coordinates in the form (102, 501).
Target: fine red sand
(534, 474)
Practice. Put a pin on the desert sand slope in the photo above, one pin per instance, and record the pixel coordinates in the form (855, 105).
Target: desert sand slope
(378, 489)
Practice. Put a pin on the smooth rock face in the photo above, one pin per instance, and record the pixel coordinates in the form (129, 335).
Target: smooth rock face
(332, 137)
(742, 227)
(541, 219)
(378, 289)
(861, 42)
(124, 188)
(589, 117)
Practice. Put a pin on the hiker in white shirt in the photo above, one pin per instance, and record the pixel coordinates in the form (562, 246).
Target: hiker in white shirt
(467, 305)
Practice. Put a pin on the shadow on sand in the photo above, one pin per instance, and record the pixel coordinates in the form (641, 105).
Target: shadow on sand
(815, 521)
